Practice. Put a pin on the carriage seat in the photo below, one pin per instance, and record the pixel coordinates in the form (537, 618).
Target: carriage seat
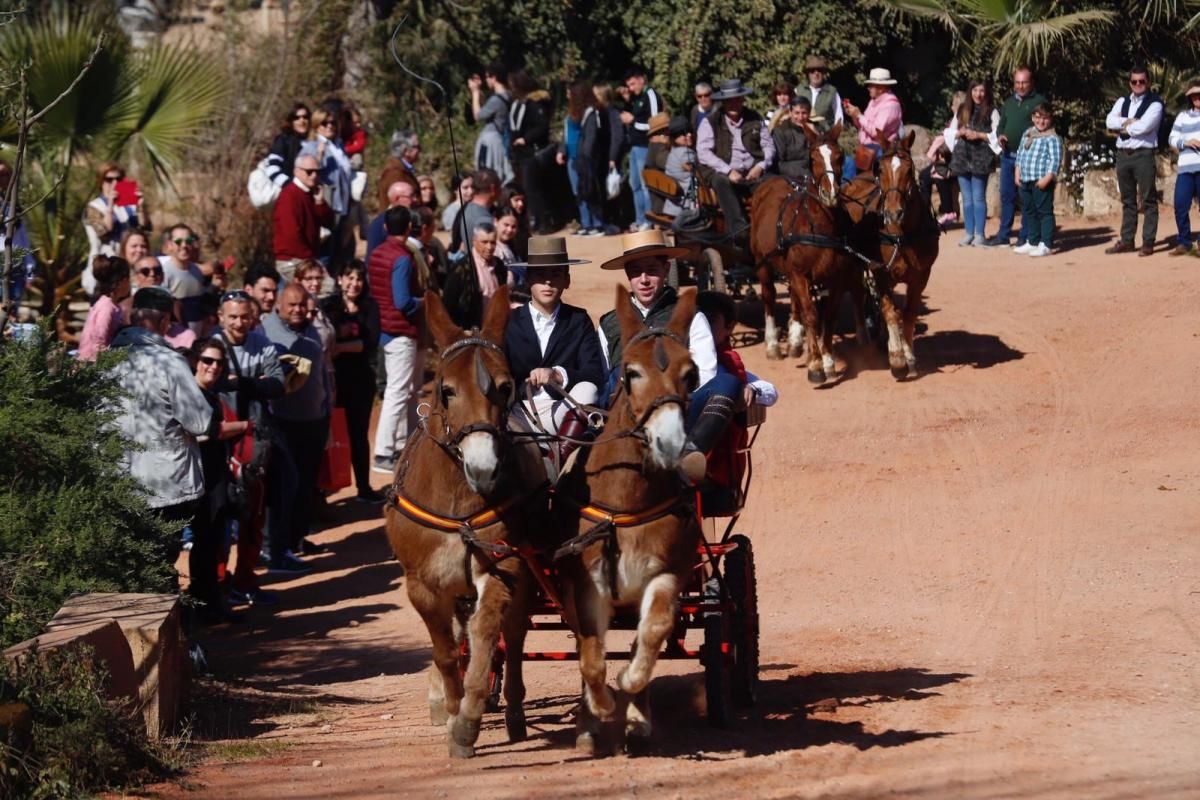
(723, 493)
(664, 188)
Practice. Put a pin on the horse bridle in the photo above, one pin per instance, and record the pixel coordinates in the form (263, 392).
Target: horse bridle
(905, 195)
(451, 444)
(661, 361)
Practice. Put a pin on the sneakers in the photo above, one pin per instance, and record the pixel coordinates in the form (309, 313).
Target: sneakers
(967, 241)
(993, 241)
(310, 548)
(370, 496)
(383, 464)
(1039, 250)
(254, 597)
(1024, 249)
(288, 564)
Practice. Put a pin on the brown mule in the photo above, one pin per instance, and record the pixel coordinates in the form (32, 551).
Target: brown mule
(464, 496)
(827, 159)
(797, 225)
(642, 551)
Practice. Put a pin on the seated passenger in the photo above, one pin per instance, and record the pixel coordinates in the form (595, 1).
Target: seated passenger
(645, 261)
(734, 148)
(548, 342)
(791, 145)
(680, 161)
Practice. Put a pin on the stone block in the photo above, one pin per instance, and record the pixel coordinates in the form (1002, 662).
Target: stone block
(109, 648)
(151, 624)
(1100, 195)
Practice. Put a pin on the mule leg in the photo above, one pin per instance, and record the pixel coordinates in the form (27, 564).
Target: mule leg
(766, 285)
(483, 631)
(795, 336)
(516, 625)
(659, 600)
(445, 685)
(891, 317)
(437, 697)
(812, 324)
(594, 609)
(912, 302)
(637, 723)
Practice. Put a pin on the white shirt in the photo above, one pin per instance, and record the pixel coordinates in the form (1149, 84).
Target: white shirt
(765, 393)
(1142, 132)
(837, 102)
(700, 344)
(543, 326)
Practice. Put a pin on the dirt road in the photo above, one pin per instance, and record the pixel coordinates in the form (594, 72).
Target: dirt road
(981, 583)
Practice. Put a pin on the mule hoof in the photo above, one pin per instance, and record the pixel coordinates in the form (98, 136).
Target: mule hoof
(900, 373)
(464, 732)
(462, 750)
(585, 742)
(437, 714)
(912, 372)
(774, 353)
(816, 376)
(796, 352)
(514, 723)
(636, 745)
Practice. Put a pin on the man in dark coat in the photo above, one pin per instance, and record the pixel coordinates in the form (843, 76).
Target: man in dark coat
(734, 148)
(792, 157)
(551, 344)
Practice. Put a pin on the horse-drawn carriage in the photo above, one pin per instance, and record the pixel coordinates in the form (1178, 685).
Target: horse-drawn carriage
(493, 548)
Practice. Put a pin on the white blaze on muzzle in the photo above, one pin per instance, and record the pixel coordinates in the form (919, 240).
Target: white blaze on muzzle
(665, 436)
(481, 464)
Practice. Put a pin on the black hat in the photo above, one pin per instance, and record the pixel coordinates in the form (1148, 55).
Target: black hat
(155, 299)
(730, 89)
(678, 127)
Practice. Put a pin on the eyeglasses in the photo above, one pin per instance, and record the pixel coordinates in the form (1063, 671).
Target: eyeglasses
(308, 170)
(188, 240)
(147, 271)
(209, 361)
(701, 96)
(236, 294)
(111, 178)
(1137, 81)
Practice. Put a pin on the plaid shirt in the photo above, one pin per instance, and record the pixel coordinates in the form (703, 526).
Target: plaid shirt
(1038, 156)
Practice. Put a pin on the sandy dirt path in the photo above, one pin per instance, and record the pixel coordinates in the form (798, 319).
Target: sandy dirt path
(981, 583)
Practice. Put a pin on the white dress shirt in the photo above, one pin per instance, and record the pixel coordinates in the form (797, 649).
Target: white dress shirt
(700, 344)
(543, 326)
(1142, 132)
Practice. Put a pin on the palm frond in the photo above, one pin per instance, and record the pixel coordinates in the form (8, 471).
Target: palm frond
(941, 12)
(1032, 42)
(173, 96)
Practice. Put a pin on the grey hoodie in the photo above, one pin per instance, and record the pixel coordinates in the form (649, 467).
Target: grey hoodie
(162, 411)
(311, 401)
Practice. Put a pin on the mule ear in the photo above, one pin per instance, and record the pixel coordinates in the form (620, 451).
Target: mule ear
(907, 143)
(834, 133)
(881, 140)
(441, 327)
(495, 319)
(681, 317)
(627, 315)
(811, 134)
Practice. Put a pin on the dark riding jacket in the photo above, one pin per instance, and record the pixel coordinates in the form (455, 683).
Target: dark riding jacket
(792, 157)
(572, 346)
(658, 316)
(750, 131)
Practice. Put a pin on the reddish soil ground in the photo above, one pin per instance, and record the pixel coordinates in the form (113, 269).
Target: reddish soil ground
(980, 583)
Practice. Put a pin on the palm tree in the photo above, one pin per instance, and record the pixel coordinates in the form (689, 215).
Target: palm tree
(141, 106)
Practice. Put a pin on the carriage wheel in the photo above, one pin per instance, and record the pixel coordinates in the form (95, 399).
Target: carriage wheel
(743, 591)
(713, 270)
(717, 687)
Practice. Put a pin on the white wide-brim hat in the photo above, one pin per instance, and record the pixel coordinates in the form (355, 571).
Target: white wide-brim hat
(880, 77)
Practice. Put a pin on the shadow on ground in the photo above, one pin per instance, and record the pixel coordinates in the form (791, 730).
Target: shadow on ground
(948, 349)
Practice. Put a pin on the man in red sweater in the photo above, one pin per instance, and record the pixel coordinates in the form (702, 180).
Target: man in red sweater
(299, 214)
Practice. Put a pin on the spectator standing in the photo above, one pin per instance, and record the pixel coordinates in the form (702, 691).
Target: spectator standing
(160, 411)
(515, 199)
(461, 186)
(1185, 137)
(974, 143)
(107, 217)
(354, 138)
(262, 284)
(883, 116)
(734, 149)
(529, 127)
(22, 271)
(823, 97)
(311, 275)
(783, 92)
(135, 246)
(401, 165)
(1136, 118)
(302, 415)
(644, 103)
(483, 198)
(355, 319)
(506, 233)
(937, 171)
(1016, 117)
(1039, 157)
(281, 161)
(463, 302)
(182, 276)
(399, 194)
(579, 102)
(394, 287)
(703, 93)
(428, 197)
(593, 155)
(298, 216)
(337, 174)
(435, 252)
(792, 157)
(105, 317)
(491, 146)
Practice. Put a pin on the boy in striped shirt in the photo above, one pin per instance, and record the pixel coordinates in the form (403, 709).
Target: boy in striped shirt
(1039, 157)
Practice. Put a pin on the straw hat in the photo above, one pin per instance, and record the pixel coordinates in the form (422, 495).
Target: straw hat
(659, 123)
(548, 251)
(880, 77)
(643, 244)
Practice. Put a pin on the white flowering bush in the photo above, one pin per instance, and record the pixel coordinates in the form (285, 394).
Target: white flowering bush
(1080, 159)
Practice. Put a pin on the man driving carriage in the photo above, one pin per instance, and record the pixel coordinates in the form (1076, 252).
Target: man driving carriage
(712, 404)
(735, 148)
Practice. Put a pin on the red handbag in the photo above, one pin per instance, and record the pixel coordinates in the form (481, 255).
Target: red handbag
(336, 472)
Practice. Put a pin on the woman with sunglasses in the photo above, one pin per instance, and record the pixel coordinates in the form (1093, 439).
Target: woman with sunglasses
(107, 217)
(208, 528)
(292, 135)
(105, 317)
(355, 319)
(325, 145)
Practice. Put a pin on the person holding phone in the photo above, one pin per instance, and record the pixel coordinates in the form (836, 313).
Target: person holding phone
(120, 207)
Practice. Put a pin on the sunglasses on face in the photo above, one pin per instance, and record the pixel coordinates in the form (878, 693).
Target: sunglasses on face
(209, 361)
(300, 116)
(309, 170)
(1137, 81)
(147, 271)
(111, 178)
(237, 294)
(702, 96)
(188, 240)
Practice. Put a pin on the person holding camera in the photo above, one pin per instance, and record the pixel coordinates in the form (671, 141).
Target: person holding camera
(120, 207)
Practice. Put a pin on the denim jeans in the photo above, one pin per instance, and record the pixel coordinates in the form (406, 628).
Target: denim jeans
(974, 200)
(1008, 201)
(724, 384)
(1187, 192)
(587, 218)
(641, 195)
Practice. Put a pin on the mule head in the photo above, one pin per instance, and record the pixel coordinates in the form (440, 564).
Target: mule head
(827, 160)
(473, 388)
(897, 179)
(657, 375)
